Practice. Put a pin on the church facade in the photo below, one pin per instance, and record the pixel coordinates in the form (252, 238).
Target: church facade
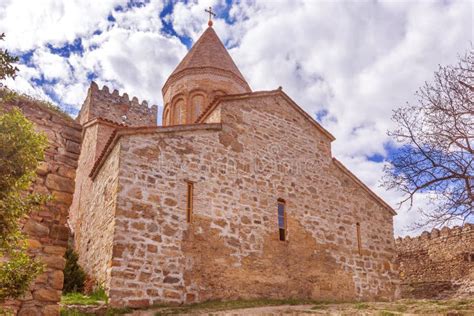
(235, 195)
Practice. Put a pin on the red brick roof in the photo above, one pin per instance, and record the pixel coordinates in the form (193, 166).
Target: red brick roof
(208, 52)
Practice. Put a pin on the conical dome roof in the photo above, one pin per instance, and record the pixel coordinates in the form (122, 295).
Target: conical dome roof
(208, 53)
(207, 71)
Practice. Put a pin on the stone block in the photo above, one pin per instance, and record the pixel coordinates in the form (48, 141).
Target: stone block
(33, 228)
(62, 197)
(139, 303)
(55, 250)
(59, 183)
(29, 311)
(57, 279)
(73, 147)
(59, 232)
(54, 261)
(47, 295)
(51, 310)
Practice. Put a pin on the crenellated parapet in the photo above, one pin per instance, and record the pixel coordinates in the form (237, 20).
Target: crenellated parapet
(435, 235)
(437, 264)
(120, 109)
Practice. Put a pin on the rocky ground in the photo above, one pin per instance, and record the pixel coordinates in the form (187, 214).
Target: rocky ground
(463, 307)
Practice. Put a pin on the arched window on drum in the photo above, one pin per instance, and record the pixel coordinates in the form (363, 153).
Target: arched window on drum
(179, 112)
(166, 119)
(197, 102)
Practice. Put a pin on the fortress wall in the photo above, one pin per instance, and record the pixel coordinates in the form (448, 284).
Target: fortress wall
(437, 264)
(46, 228)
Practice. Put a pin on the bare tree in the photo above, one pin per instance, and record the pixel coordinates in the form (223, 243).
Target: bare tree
(436, 138)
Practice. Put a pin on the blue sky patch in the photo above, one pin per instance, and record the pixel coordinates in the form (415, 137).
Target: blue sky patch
(67, 49)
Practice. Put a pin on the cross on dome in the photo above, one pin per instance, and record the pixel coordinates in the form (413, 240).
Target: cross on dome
(211, 14)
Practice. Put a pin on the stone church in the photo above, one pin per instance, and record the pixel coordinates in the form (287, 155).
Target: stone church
(235, 195)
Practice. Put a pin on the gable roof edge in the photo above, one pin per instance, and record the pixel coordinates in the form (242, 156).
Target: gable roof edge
(257, 94)
(343, 168)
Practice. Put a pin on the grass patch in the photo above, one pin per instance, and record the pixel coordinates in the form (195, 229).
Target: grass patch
(94, 298)
(72, 312)
(78, 299)
(8, 95)
(401, 308)
(320, 305)
(361, 306)
(100, 295)
(386, 313)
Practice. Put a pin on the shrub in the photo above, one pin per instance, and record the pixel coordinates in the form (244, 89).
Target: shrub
(21, 149)
(74, 275)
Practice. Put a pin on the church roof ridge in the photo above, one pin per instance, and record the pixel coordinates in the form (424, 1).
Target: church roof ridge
(207, 111)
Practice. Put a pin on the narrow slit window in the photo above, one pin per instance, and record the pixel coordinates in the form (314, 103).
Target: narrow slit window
(359, 241)
(281, 220)
(189, 201)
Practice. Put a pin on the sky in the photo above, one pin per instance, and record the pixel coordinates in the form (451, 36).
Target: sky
(349, 64)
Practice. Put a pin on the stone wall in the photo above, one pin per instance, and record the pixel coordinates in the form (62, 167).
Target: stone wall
(46, 228)
(101, 114)
(95, 234)
(439, 264)
(101, 103)
(265, 150)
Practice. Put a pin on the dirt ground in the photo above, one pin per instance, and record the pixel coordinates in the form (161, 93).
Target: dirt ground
(402, 307)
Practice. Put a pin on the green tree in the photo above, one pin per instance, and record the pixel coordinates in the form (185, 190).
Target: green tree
(21, 149)
(7, 69)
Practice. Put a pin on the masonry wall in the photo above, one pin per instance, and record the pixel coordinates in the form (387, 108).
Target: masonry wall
(92, 210)
(46, 228)
(96, 232)
(439, 264)
(265, 151)
(117, 108)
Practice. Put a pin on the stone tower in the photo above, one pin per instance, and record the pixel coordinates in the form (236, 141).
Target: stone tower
(205, 72)
(102, 113)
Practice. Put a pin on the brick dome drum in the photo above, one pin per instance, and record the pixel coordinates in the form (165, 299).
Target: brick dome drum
(205, 72)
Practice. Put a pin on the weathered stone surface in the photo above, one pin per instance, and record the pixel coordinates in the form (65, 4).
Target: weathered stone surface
(55, 176)
(55, 250)
(62, 197)
(439, 264)
(52, 261)
(57, 279)
(29, 311)
(59, 183)
(51, 310)
(47, 295)
(34, 228)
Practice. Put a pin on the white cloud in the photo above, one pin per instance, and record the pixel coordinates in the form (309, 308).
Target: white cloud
(356, 60)
(129, 53)
(30, 24)
(134, 61)
(52, 66)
